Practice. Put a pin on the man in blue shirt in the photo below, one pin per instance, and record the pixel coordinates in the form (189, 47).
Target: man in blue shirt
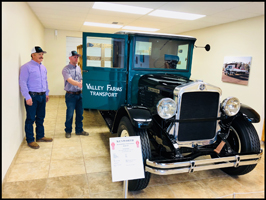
(72, 86)
(34, 88)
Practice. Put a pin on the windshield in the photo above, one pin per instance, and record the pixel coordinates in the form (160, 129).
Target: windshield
(154, 53)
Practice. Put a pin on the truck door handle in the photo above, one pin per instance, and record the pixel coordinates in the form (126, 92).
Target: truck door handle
(85, 70)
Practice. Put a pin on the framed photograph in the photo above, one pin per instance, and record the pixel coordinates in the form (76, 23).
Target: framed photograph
(236, 69)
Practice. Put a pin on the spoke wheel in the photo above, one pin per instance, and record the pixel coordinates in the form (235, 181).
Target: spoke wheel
(243, 138)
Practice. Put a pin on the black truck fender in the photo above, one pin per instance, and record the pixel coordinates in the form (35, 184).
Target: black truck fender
(249, 113)
(139, 116)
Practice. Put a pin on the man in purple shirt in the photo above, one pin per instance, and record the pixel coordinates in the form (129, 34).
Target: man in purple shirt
(72, 86)
(34, 88)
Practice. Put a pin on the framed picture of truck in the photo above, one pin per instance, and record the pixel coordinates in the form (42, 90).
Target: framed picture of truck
(236, 70)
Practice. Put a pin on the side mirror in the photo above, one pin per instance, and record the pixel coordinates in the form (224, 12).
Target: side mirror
(207, 47)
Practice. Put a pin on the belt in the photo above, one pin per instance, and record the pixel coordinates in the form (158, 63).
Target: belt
(73, 92)
(38, 93)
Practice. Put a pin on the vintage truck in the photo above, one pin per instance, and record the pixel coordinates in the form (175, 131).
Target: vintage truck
(140, 83)
(231, 70)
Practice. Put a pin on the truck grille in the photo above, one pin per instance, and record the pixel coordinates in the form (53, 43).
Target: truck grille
(199, 105)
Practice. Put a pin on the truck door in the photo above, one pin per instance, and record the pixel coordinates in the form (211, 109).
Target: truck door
(104, 70)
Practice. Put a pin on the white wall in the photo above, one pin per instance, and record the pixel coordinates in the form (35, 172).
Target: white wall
(240, 38)
(21, 31)
(71, 44)
(55, 59)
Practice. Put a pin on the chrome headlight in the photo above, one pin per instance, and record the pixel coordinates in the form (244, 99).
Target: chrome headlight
(166, 108)
(230, 106)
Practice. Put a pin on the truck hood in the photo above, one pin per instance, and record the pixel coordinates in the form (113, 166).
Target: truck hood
(163, 82)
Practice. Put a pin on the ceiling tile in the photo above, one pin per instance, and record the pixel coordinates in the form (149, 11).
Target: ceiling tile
(152, 5)
(107, 20)
(72, 15)
(204, 8)
(112, 13)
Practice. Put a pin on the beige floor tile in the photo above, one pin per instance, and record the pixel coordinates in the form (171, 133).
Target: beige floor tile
(95, 140)
(63, 153)
(60, 133)
(61, 141)
(254, 181)
(46, 145)
(50, 115)
(191, 189)
(49, 133)
(28, 171)
(48, 123)
(209, 174)
(111, 195)
(25, 189)
(49, 128)
(174, 178)
(160, 191)
(255, 195)
(29, 155)
(223, 185)
(95, 151)
(97, 164)
(102, 182)
(66, 167)
(52, 105)
(156, 180)
(67, 187)
(79, 167)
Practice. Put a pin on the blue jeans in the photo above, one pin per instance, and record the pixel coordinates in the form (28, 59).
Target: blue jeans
(35, 113)
(74, 102)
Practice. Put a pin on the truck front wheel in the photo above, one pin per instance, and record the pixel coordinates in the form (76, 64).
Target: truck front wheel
(243, 138)
(126, 129)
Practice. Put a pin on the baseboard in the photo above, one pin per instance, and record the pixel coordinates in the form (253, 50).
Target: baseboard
(56, 95)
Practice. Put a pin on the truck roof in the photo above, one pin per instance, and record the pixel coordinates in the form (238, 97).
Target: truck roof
(164, 35)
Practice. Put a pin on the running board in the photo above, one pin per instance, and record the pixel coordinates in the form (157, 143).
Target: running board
(199, 165)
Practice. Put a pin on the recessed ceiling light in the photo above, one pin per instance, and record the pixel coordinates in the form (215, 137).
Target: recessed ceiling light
(102, 25)
(121, 8)
(140, 28)
(175, 15)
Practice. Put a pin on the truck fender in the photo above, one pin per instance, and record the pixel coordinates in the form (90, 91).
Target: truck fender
(139, 116)
(249, 113)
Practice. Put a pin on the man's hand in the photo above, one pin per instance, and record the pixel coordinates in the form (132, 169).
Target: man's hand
(75, 83)
(47, 98)
(29, 102)
(80, 85)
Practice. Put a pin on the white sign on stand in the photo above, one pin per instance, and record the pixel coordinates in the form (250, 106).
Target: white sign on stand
(126, 158)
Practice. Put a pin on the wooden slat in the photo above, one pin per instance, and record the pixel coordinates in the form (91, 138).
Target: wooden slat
(99, 45)
(98, 58)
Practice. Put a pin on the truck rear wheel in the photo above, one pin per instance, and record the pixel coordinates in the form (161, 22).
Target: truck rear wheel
(243, 138)
(126, 129)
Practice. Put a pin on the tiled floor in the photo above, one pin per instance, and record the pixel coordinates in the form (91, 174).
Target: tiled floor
(80, 167)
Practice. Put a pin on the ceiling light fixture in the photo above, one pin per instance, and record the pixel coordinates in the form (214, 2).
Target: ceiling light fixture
(102, 25)
(175, 15)
(140, 28)
(121, 8)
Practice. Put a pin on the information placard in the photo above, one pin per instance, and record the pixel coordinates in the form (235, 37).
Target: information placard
(126, 158)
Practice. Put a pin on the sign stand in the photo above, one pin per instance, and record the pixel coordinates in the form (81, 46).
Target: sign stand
(125, 189)
(126, 156)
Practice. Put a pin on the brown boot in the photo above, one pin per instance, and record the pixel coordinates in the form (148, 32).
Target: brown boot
(45, 139)
(33, 145)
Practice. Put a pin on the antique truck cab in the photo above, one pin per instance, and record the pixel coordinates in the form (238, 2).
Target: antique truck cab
(140, 83)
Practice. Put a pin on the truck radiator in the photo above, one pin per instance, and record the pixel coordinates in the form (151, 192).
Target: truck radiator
(198, 105)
